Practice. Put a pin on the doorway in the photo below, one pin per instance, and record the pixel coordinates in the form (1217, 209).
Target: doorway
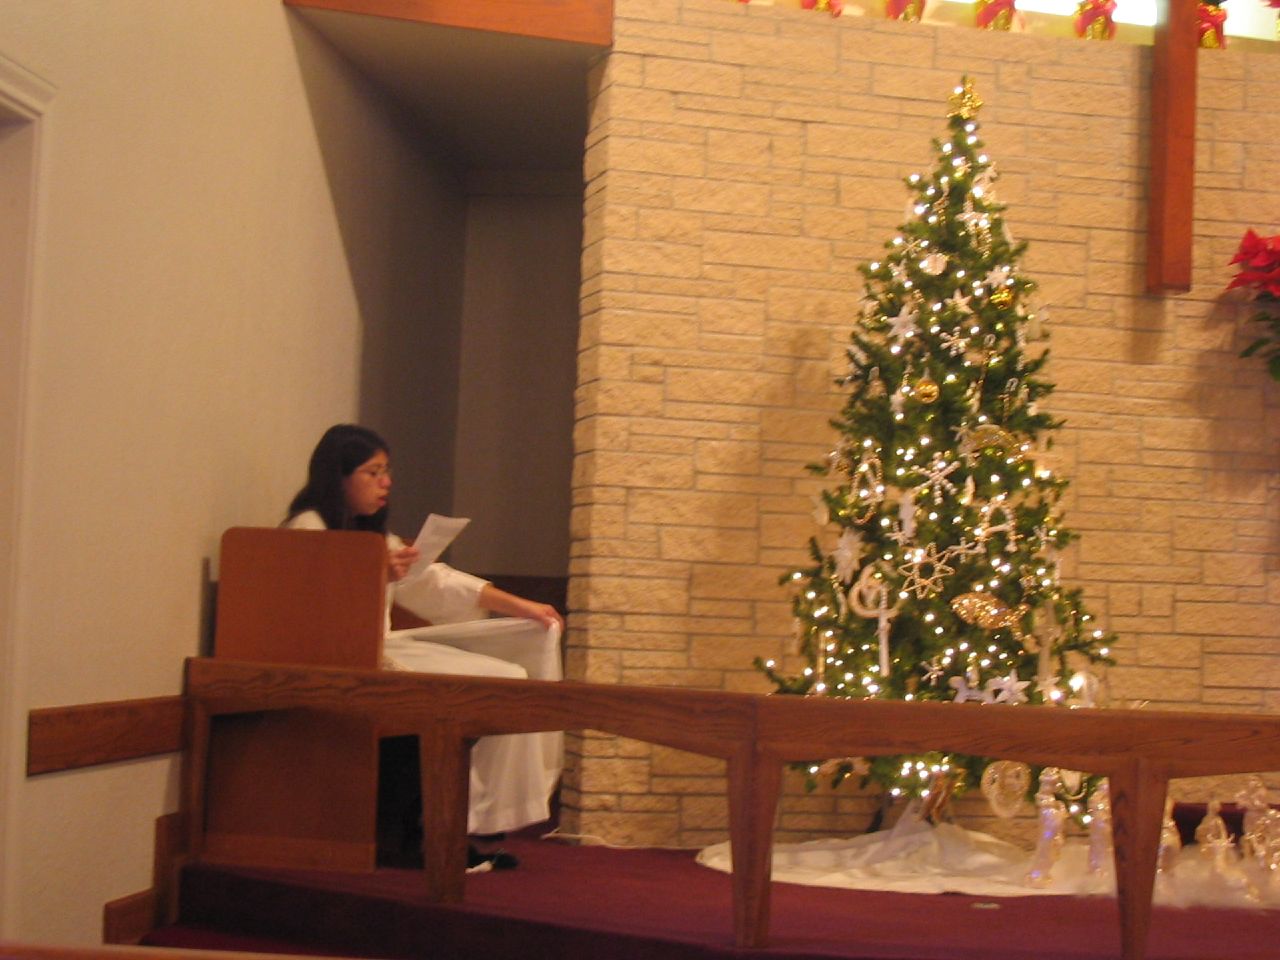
(22, 100)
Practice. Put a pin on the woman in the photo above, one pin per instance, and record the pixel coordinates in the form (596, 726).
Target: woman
(348, 488)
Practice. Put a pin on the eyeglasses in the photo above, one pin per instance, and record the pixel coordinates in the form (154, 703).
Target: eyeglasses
(376, 473)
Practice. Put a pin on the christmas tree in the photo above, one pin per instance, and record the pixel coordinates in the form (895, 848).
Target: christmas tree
(937, 574)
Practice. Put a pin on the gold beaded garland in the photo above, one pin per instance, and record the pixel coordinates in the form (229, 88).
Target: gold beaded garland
(989, 613)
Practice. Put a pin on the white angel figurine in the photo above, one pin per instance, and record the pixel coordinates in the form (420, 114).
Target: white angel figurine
(1052, 817)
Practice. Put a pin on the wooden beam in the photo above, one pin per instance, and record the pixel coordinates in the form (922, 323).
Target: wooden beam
(1172, 140)
(577, 21)
(64, 738)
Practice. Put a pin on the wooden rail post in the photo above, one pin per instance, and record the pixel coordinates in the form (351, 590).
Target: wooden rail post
(445, 758)
(1137, 805)
(755, 783)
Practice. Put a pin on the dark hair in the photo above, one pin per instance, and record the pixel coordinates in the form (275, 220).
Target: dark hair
(340, 451)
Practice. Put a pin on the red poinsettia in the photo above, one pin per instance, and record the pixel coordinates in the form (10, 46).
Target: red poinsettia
(1260, 274)
(1261, 271)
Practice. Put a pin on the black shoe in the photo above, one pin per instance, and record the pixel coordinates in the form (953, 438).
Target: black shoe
(498, 860)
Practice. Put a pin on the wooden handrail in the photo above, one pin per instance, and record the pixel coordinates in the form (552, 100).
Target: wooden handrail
(65, 738)
(1140, 751)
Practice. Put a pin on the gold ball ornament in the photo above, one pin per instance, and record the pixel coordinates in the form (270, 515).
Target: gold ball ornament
(989, 438)
(1002, 297)
(1005, 784)
(927, 390)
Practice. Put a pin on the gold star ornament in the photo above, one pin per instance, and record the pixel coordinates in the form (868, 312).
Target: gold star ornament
(964, 102)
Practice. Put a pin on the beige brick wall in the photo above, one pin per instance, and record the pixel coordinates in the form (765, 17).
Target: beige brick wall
(742, 161)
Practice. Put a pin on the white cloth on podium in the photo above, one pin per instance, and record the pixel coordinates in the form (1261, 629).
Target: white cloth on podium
(512, 776)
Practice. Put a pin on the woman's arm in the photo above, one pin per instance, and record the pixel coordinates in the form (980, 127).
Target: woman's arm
(508, 604)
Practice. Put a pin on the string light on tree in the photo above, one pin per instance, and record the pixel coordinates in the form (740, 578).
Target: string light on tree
(936, 576)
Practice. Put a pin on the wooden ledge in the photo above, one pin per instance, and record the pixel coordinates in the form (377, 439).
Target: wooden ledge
(576, 21)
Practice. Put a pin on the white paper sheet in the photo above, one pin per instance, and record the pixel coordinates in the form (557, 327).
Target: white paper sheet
(436, 534)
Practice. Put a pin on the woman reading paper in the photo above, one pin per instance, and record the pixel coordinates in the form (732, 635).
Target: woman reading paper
(348, 488)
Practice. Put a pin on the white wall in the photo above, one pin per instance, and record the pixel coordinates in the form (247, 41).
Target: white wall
(211, 259)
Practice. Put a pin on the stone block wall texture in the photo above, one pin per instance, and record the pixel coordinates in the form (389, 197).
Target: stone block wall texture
(741, 162)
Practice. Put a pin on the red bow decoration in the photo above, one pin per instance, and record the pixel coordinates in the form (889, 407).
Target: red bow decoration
(1091, 10)
(1211, 20)
(992, 10)
(894, 9)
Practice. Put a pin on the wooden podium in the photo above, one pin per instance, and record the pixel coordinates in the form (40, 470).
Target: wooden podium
(296, 788)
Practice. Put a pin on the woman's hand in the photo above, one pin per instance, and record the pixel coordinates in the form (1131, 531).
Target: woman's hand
(399, 562)
(544, 613)
(509, 605)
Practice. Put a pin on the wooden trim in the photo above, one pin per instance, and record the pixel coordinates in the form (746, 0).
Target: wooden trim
(12, 950)
(299, 852)
(577, 21)
(66, 738)
(129, 919)
(167, 860)
(1172, 145)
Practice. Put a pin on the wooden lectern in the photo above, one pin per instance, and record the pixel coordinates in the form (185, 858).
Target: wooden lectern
(296, 788)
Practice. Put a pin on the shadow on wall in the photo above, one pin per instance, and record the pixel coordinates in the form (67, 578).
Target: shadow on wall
(466, 281)
(403, 227)
(1237, 401)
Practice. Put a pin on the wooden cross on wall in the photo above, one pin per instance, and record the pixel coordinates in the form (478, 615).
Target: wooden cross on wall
(1172, 143)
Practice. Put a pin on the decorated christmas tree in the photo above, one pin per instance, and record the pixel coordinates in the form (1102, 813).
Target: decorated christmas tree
(936, 575)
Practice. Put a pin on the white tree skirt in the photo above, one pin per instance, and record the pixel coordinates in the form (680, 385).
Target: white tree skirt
(918, 857)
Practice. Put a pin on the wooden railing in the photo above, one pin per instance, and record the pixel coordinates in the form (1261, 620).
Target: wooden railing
(757, 735)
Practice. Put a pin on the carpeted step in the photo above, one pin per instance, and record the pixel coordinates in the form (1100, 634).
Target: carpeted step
(588, 903)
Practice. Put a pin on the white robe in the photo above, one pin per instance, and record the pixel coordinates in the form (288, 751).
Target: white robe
(513, 776)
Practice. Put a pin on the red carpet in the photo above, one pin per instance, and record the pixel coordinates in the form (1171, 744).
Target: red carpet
(592, 902)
